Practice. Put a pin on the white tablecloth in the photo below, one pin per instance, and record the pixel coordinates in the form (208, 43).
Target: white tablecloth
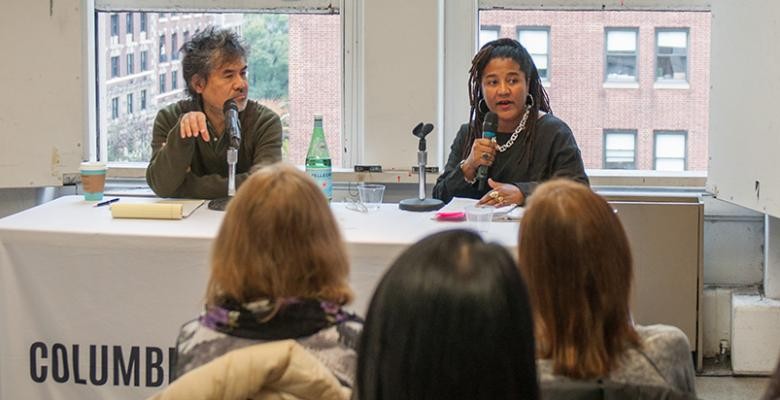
(90, 306)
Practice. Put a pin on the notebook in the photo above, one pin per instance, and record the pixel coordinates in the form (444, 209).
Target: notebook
(160, 209)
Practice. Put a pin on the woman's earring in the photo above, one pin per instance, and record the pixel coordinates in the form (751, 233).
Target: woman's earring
(529, 101)
(482, 106)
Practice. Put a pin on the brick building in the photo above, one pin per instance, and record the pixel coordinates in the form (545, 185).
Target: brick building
(661, 98)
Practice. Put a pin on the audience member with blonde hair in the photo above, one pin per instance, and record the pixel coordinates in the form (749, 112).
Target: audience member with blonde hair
(575, 257)
(279, 270)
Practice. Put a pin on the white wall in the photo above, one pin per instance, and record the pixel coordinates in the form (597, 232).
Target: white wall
(43, 117)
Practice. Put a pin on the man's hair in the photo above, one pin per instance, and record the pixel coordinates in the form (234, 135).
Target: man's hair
(575, 256)
(279, 239)
(511, 49)
(449, 320)
(207, 50)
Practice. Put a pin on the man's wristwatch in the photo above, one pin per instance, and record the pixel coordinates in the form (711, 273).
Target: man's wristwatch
(469, 181)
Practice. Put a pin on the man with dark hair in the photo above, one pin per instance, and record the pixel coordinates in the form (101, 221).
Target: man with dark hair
(189, 149)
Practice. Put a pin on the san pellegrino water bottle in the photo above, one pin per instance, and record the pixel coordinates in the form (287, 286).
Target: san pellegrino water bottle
(318, 164)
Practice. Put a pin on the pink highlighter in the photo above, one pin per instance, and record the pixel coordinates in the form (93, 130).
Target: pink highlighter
(451, 216)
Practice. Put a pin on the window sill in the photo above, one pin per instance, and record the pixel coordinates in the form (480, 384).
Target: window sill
(671, 85)
(598, 177)
(621, 85)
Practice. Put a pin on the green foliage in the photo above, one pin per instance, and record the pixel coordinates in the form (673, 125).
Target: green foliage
(268, 63)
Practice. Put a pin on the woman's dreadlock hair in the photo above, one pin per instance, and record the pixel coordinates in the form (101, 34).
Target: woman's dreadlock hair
(504, 48)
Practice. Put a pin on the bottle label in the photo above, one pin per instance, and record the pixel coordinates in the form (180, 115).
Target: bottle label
(324, 179)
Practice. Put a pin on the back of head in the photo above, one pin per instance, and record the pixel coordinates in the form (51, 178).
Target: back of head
(575, 256)
(279, 239)
(206, 51)
(449, 320)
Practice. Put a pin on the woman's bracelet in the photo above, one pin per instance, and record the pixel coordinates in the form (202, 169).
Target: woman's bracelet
(469, 181)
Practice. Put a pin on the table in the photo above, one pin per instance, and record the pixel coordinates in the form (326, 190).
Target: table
(90, 306)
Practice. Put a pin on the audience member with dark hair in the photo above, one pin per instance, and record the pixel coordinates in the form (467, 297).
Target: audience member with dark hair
(449, 320)
(531, 144)
(279, 270)
(575, 257)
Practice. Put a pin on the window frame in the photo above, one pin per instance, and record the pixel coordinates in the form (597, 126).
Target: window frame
(610, 131)
(539, 28)
(607, 30)
(352, 93)
(670, 132)
(656, 78)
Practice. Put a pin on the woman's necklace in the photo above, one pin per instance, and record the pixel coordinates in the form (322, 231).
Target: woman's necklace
(519, 128)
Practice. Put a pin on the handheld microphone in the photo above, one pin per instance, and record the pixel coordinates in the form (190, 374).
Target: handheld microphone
(232, 124)
(489, 127)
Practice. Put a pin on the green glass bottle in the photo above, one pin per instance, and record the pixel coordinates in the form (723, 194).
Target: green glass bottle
(318, 164)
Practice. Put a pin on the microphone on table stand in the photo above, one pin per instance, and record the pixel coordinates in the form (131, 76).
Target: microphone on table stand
(421, 203)
(233, 130)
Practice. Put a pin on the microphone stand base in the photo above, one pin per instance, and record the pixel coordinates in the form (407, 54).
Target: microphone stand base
(219, 204)
(420, 205)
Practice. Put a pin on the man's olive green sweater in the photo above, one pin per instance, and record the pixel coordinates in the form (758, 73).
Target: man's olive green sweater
(194, 168)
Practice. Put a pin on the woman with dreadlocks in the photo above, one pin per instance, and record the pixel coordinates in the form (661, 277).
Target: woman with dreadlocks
(531, 144)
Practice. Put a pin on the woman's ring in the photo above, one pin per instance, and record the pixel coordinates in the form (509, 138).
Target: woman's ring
(500, 199)
(485, 156)
(494, 194)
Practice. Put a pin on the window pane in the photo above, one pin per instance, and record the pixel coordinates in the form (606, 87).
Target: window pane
(672, 39)
(670, 164)
(620, 141)
(621, 41)
(535, 41)
(619, 152)
(587, 49)
(672, 51)
(670, 145)
(310, 42)
(487, 35)
(621, 68)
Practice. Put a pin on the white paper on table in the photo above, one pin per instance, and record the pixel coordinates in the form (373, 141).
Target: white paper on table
(458, 204)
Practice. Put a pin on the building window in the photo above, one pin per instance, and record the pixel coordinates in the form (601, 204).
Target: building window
(114, 25)
(175, 46)
(130, 63)
(129, 103)
(144, 62)
(671, 55)
(488, 33)
(619, 149)
(142, 20)
(670, 151)
(115, 108)
(312, 43)
(129, 25)
(186, 36)
(114, 66)
(621, 55)
(537, 42)
(163, 56)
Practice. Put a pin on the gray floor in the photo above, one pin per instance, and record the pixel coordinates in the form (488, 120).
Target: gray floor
(729, 387)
